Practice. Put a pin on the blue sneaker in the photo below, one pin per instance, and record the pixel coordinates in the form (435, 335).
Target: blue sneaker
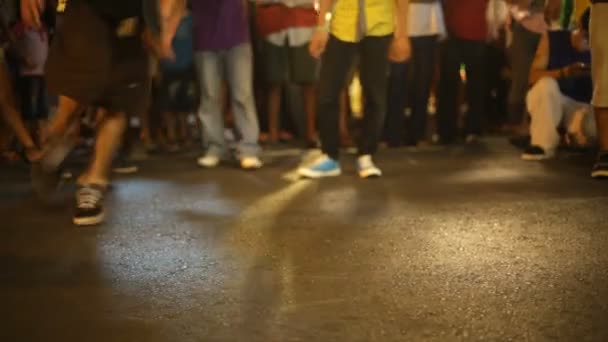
(323, 166)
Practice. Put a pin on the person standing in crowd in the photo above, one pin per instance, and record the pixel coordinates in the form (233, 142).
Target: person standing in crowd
(286, 27)
(223, 50)
(177, 98)
(410, 83)
(527, 25)
(599, 51)
(466, 44)
(368, 28)
(98, 59)
(33, 43)
(8, 108)
(561, 92)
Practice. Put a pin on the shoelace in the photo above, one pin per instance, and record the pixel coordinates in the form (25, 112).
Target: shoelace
(87, 197)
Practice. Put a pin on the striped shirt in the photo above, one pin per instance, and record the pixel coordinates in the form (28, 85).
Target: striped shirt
(291, 21)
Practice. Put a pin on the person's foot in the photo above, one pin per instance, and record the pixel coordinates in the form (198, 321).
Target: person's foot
(55, 151)
(33, 154)
(89, 205)
(536, 153)
(367, 168)
(520, 141)
(251, 163)
(45, 182)
(208, 161)
(321, 167)
(123, 167)
(600, 169)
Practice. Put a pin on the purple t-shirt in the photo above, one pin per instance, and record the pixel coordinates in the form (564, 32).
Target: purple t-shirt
(219, 24)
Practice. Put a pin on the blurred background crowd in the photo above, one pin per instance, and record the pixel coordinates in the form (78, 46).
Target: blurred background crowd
(477, 67)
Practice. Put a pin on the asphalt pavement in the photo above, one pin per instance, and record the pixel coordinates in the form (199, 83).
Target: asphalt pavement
(455, 244)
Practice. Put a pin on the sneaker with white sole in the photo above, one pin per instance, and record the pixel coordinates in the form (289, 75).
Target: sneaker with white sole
(251, 163)
(208, 161)
(89, 205)
(321, 167)
(367, 168)
(600, 169)
(537, 153)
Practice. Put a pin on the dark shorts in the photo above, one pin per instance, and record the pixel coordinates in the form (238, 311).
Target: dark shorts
(89, 63)
(288, 63)
(178, 91)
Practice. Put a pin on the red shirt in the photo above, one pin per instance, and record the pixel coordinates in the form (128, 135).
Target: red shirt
(466, 19)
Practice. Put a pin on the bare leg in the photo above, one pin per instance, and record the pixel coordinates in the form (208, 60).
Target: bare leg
(109, 136)
(274, 107)
(309, 94)
(601, 117)
(12, 116)
(67, 110)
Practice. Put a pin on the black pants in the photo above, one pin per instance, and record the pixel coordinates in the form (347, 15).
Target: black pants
(373, 70)
(33, 97)
(473, 54)
(410, 85)
(521, 55)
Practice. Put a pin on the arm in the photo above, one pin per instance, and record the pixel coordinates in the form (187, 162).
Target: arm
(400, 49)
(171, 12)
(321, 35)
(30, 12)
(541, 61)
(401, 18)
(325, 8)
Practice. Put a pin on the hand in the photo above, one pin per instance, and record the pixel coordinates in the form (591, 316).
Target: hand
(400, 49)
(162, 48)
(318, 43)
(29, 63)
(576, 70)
(30, 12)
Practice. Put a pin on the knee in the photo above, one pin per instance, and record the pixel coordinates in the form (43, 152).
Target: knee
(546, 85)
(543, 88)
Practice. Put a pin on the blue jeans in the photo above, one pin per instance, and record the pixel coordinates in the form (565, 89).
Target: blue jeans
(234, 65)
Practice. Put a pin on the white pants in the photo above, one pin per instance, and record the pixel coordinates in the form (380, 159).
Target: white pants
(549, 109)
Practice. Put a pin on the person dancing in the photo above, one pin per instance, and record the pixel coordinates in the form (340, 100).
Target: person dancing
(98, 58)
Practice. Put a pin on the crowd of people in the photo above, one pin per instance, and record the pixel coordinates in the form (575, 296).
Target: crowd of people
(238, 75)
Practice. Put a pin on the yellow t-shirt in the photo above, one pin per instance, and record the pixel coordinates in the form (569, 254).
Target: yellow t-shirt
(378, 15)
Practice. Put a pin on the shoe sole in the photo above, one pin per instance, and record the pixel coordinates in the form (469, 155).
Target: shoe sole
(126, 170)
(306, 173)
(370, 176)
(599, 174)
(251, 168)
(89, 221)
(208, 166)
(529, 157)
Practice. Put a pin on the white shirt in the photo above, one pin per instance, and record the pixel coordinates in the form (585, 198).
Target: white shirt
(426, 19)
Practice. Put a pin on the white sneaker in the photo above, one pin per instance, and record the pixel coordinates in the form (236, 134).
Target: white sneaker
(251, 163)
(208, 161)
(367, 168)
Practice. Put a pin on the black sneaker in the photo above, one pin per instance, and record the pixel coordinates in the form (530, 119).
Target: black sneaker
(89, 205)
(600, 169)
(535, 153)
